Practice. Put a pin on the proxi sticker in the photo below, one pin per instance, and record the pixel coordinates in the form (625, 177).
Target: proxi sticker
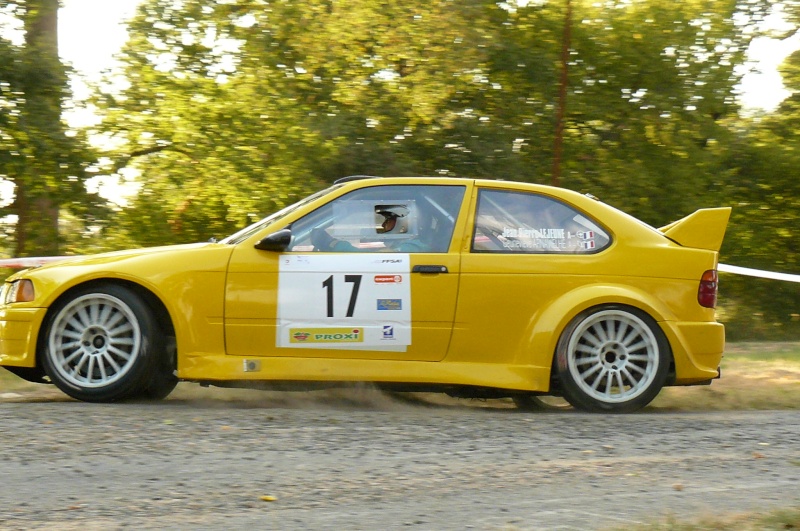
(326, 335)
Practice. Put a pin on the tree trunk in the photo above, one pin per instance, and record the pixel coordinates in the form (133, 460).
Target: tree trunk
(563, 84)
(36, 201)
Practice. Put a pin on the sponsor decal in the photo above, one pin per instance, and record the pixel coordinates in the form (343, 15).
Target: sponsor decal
(326, 335)
(388, 279)
(388, 332)
(300, 336)
(390, 304)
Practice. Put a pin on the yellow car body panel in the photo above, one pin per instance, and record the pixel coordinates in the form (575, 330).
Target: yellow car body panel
(188, 279)
(252, 308)
(685, 233)
(296, 369)
(488, 319)
(18, 329)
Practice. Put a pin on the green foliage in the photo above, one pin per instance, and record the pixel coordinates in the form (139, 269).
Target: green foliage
(263, 101)
(762, 185)
(45, 164)
(236, 109)
(652, 89)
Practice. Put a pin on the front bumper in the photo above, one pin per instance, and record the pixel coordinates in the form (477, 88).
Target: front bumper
(19, 329)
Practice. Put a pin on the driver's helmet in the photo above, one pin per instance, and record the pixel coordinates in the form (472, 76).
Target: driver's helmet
(388, 219)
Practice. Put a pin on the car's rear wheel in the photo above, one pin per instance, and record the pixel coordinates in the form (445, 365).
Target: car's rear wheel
(103, 344)
(612, 359)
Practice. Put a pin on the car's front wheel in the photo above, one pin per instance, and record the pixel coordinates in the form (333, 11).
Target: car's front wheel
(102, 344)
(612, 359)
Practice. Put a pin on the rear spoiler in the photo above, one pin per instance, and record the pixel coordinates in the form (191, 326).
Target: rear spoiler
(703, 229)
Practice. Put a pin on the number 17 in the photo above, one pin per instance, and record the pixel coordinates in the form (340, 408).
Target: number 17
(328, 285)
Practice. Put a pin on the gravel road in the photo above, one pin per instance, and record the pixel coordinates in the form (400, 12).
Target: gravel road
(338, 462)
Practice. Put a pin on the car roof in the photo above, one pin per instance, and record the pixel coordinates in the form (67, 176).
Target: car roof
(564, 193)
(453, 180)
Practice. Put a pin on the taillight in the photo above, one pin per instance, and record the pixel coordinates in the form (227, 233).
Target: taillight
(707, 292)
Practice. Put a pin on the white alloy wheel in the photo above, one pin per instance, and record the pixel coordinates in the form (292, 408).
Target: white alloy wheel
(94, 341)
(612, 359)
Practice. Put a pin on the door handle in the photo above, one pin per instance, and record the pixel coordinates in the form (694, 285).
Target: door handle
(429, 269)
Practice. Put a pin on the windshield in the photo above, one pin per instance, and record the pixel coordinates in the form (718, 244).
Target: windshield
(277, 216)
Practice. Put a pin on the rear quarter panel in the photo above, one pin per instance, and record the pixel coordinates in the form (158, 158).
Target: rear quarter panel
(513, 307)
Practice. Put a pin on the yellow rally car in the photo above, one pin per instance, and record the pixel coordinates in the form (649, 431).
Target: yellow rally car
(476, 288)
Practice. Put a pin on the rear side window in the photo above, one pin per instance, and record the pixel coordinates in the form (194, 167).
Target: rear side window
(525, 223)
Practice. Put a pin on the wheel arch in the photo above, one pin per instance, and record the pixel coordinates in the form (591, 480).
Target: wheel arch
(153, 302)
(548, 326)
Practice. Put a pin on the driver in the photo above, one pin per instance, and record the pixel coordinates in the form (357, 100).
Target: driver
(390, 216)
(394, 220)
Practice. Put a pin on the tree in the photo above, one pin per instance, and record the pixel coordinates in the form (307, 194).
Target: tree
(45, 165)
(652, 94)
(253, 103)
(255, 106)
(762, 185)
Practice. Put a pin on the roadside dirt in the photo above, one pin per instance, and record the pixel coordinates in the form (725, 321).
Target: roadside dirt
(360, 459)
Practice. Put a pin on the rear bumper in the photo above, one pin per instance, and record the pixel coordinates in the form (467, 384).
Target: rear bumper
(19, 328)
(697, 350)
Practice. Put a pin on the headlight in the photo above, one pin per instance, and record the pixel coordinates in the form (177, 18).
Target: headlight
(19, 291)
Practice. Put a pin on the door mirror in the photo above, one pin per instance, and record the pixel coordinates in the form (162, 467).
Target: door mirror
(277, 241)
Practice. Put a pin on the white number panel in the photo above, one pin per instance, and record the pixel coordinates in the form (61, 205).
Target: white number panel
(348, 301)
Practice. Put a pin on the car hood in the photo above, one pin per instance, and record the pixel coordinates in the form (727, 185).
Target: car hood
(47, 263)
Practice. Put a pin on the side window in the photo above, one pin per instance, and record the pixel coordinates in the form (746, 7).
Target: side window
(518, 222)
(394, 218)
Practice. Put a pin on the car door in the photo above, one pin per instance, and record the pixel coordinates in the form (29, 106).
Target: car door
(368, 275)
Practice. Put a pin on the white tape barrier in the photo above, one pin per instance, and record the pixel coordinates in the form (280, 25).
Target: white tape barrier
(760, 273)
(32, 261)
(22, 263)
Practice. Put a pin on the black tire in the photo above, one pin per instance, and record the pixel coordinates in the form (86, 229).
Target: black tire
(539, 403)
(163, 380)
(102, 344)
(612, 359)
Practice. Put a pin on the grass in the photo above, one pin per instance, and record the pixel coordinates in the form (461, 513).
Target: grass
(10, 383)
(754, 376)
(772, 521)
